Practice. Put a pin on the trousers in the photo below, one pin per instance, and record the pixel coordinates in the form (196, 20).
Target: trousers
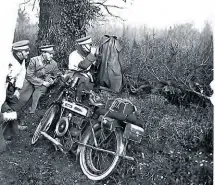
(25, 95)
(38, 92)
(2, 140)
(9, 128)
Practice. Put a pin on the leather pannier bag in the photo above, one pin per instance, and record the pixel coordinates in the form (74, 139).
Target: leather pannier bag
(123, 107)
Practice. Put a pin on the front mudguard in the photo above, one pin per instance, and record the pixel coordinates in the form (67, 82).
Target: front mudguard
(57, 115)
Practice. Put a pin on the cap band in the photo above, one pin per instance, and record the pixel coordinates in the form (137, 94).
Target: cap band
(21, 48)
(47, 49)
(88, 41)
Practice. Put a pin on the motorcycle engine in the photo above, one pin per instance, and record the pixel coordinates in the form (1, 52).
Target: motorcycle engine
(62, 126)
(68, 128)
(71, 122)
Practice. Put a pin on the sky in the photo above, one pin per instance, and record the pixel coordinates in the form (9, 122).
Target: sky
(165, 13)
(159, 13)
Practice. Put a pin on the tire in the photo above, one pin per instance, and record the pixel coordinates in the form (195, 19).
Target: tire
(45, 122)
(88, 155)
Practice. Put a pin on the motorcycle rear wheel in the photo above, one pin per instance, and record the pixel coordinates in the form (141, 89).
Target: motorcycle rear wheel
(45, 122)
(95, 164)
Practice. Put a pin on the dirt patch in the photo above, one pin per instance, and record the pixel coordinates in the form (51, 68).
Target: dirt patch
(24, 164)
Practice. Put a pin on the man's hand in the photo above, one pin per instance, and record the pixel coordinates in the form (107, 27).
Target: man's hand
(46, 84)
(51, 81)
(16, 94)
(93, 50)
(59, 74)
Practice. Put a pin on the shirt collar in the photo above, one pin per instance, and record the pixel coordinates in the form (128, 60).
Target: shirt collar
(45, 61)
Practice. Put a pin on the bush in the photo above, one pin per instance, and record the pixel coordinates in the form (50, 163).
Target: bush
(181, 54)
(177, 147)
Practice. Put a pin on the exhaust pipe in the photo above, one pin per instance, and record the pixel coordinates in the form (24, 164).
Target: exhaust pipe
(51, 139)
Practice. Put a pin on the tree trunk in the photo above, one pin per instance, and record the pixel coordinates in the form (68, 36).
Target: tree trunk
(61, 22)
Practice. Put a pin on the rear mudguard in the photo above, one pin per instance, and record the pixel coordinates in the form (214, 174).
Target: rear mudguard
(87, 129)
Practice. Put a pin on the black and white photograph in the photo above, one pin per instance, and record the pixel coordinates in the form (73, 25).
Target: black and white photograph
(106, 92)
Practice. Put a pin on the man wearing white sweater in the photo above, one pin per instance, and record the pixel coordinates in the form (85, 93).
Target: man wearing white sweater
(13, 81)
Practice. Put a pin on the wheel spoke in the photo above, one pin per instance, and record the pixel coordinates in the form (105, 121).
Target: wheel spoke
(102, 159)
(45, 123)
(97, 162)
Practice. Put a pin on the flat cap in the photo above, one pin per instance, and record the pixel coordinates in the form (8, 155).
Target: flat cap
(21, 45)
(47, 48)
(84, 40)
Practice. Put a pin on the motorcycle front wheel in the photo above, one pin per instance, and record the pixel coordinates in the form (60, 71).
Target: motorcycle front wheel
(45, 122)
(99, 160)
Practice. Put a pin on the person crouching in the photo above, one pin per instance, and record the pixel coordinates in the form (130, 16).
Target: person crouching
(14, 82)
(40, 71)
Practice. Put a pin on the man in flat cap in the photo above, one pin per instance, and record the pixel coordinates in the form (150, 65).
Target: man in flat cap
(14, 82)
(40, 71)
(83, 52)
(81, 60)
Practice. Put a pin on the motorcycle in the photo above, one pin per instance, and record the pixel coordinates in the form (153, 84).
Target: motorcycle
(96, 133)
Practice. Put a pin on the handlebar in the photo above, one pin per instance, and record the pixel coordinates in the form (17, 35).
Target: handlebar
(65, 79)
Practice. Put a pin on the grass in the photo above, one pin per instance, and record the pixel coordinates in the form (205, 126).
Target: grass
(177, 147)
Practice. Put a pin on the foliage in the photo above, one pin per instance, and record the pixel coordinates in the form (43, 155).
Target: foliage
(177, 62)
(177, 146)
(26, 30)
(62, 22)
(162, 54)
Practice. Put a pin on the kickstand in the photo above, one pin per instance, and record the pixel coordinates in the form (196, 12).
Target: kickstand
(125, 148)
(56, 148)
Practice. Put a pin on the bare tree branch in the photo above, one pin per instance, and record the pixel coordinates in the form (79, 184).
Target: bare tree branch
(34, 4)
(202, 95)
(25, 2)
(204, 61)
(152, 72)
(107, 6)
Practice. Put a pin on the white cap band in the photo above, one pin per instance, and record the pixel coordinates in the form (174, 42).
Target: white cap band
(88, 41)
(47, 49)
(21, 48)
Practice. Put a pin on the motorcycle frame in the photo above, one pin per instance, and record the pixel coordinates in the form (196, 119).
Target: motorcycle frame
(89, 120)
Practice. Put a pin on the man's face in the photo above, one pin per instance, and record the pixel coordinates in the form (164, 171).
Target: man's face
(87, 47)
(25, 54)
(48, 56)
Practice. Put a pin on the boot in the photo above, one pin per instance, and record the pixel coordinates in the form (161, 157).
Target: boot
(10, 129)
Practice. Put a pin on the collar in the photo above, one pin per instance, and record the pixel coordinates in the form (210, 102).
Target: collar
(82, 52)
(45, 61)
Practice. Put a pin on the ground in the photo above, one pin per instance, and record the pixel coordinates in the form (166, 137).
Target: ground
(24, 164)
(165, 155)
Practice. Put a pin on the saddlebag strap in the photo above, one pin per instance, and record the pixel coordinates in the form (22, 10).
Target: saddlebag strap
(131, 118)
